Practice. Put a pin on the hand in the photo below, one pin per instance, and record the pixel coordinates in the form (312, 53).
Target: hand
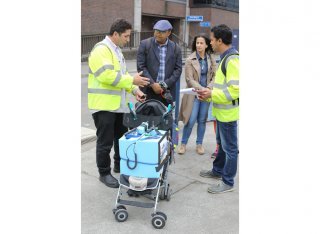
(204, 94)
(156, 88)
(140, 96)
(140, 80)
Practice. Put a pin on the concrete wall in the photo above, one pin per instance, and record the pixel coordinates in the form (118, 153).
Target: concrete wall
(163, 8)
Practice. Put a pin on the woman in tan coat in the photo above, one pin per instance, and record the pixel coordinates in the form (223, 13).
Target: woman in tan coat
(199, 72)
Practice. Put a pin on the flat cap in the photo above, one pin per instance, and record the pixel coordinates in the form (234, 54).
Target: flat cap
(162, 25)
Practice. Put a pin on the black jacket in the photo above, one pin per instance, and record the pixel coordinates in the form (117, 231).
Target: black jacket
(148, 62)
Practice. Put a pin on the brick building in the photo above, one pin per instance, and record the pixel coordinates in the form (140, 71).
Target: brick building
(98, 15)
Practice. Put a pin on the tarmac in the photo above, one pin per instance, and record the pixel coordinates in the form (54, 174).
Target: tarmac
(191, 208)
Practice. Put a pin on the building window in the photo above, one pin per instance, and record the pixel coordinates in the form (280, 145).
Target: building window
(226, 4)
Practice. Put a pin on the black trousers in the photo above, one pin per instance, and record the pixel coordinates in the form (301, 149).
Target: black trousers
(109, 130)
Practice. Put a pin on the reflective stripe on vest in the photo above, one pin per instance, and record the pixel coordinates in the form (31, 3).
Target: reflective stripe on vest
(104, 91)
(227, 94)
(225, 85)
(231, 57)
(117, 80)
(101, 69)
(107, 66)
(233, 82)
(226, 107)
(219, 86)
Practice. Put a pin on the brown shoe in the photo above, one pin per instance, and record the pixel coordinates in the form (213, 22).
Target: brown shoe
(200, 149)
(182, 149)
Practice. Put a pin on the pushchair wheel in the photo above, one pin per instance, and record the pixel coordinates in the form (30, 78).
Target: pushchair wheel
(169, 194)
(121, 215)
(162, 195)
(118, 207)
(158, 221)
(161, 214)
(121, 207)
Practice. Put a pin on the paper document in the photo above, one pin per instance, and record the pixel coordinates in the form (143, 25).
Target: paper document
(188, 91)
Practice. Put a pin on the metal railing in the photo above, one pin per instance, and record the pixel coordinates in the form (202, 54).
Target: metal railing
(190, 41)
(88, 42)
(185, 48)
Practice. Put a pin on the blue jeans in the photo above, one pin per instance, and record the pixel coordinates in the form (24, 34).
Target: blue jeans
(225, 163)
(200, 113)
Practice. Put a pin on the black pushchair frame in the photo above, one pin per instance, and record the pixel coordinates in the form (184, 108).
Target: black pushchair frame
(158, 188)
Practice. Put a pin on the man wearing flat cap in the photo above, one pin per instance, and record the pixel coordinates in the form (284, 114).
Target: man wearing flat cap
(160, 60)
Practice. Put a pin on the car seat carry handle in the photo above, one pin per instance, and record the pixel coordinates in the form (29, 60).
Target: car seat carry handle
(130, 105)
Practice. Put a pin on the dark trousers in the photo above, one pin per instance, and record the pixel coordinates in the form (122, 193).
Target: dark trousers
(109, 130)
(225, 163)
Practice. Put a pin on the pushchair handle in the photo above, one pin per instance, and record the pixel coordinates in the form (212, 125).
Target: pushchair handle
(169, 110)
(130, 105)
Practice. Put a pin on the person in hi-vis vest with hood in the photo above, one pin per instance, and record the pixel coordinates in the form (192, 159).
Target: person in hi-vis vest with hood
(108, 85)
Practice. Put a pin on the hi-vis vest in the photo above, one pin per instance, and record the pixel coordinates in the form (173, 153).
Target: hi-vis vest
(225, 93)
(105, 79)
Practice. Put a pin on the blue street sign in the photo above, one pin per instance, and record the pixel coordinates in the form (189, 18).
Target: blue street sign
(194, 18)
(205, 24)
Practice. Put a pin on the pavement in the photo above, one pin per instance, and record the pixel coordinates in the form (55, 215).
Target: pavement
(191, 208)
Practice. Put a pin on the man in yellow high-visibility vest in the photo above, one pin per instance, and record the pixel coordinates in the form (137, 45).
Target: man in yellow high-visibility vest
(108, 84)
(225, 99)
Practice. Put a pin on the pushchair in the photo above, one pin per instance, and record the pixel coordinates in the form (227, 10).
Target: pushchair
(146, 151)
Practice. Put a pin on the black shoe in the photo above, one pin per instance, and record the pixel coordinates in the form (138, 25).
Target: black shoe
(109, 181)
(116, 169)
